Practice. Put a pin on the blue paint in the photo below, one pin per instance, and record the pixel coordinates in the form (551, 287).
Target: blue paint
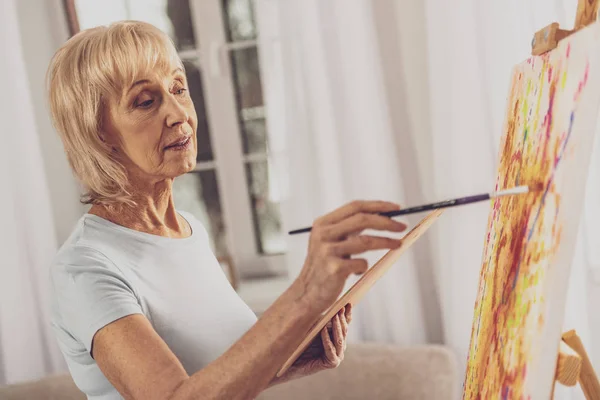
(560, 155)
(539, 210)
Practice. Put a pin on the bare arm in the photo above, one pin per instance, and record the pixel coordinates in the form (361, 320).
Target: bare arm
(140, 365)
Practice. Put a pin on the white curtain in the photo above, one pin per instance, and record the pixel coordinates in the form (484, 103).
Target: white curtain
(405, 100)
(323, 74)
(27, 242)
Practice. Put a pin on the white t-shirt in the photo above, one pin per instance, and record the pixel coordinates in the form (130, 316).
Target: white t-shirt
(106, 271)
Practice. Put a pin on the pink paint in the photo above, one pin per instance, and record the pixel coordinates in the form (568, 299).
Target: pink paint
(549, 74)
(583, 82)
(568, 50)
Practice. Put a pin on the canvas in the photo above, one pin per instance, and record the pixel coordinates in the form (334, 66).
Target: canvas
(548, 135)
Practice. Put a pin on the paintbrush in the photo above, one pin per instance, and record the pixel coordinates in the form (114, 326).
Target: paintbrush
(445, 204)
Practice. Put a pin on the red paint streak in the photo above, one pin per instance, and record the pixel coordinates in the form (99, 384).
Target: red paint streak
(517, 246)
(583, 83)
(517, 156)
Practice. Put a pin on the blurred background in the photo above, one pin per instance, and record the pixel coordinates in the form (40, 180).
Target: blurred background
(303, 105)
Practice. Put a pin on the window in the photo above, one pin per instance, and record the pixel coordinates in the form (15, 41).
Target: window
(232, 190)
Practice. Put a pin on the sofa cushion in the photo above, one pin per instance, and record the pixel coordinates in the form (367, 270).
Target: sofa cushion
(382, 372)
(369, 371)
(59, 387)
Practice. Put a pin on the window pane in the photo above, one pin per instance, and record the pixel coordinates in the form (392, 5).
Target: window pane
(239, 19)
(198, 194)
(246, 74)
(182, 28)
(265, 205)
(170, 16)
(254, 136)
(195, 86)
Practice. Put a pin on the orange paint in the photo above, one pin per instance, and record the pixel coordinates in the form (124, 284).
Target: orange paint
(523, 231)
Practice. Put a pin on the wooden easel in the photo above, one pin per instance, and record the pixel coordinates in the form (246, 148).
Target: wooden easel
(573, 365)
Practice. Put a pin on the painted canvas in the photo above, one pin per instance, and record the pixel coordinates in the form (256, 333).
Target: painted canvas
(548, 135)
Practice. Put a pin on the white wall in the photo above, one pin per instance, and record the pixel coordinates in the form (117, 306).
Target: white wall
(43, 29)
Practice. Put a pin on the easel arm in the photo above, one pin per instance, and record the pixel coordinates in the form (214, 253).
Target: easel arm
(568, 367)
(547, 38)
(587, 377)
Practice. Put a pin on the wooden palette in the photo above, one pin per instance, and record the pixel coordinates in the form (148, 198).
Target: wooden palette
(362, 286)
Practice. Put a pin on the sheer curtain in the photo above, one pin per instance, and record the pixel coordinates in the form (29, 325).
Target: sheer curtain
(405, 100)
(27, 242)
(328, 97)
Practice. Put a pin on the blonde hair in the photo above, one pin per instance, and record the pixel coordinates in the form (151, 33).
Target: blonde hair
(89, 68)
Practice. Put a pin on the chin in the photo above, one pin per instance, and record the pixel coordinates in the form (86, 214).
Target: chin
(188, 165)
(182, 167)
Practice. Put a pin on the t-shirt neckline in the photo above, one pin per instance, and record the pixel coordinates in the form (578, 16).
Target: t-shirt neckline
(148, 236)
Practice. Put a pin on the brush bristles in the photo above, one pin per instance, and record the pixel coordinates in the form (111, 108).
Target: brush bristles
(509, 192)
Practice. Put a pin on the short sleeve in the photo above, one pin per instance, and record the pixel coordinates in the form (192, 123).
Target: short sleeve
(90, 293)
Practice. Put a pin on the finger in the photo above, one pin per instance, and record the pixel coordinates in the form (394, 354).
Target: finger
(356, 207)
(359, 222)
(349, 312)
(328, 346)
(363, 243)
(338, 335)
(355, 266)
(342, 315)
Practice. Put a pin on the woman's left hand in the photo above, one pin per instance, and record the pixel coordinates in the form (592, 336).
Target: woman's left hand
(326, 351)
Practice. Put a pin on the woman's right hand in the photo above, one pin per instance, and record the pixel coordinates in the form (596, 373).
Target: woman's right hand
(334, 239)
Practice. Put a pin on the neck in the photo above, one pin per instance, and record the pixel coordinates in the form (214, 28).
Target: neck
(154, 211)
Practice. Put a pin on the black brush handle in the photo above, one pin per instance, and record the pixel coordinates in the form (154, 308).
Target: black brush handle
(417, 209)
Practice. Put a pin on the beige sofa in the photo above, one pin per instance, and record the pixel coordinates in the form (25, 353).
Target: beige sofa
(370, 371)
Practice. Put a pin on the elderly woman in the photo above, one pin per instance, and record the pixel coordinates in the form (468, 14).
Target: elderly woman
(142, 309)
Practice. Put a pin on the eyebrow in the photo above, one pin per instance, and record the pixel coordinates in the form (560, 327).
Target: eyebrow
(143, 81)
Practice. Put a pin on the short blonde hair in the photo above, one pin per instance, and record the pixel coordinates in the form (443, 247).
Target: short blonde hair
(89, 68)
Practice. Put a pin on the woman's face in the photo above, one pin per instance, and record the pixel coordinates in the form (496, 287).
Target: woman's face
(152, 126)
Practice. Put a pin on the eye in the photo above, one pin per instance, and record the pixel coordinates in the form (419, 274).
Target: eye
(145, 100)
(145, 104)
(180, 91)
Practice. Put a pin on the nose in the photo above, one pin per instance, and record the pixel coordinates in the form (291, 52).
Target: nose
(176, 113)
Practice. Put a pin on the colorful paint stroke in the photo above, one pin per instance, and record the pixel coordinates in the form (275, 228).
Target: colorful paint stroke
(550, 124)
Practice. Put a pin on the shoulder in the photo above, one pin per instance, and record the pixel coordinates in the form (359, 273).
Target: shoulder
(76, 259)
(78, 253)
(85, 276)
(82, 260)
(88, 291)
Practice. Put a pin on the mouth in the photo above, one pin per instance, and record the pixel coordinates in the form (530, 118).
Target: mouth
(180, 144)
